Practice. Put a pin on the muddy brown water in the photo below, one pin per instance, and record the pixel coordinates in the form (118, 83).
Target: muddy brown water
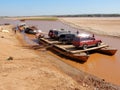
(103, 66)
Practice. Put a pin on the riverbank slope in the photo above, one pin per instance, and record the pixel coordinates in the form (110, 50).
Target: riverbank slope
(22, 69)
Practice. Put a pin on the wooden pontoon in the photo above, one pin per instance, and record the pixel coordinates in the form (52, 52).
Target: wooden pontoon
(81, 56)
(108, 51)
(49, 41)
(74, 53)
(55, 46)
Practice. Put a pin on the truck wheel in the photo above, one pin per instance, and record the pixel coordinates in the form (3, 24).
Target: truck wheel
(98, 44)
(84, 47)
(64, 42)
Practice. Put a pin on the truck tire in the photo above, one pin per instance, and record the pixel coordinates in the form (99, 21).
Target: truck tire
(64, 42)
(85, 47)
(98, 44)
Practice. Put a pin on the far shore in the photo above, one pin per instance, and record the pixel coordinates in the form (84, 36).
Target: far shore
(100, 25)
(109, 26)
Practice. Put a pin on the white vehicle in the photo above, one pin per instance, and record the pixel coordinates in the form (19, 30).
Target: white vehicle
(39, 34)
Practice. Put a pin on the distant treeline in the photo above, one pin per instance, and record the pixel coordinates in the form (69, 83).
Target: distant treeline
(77, 15)
(4, 16)
(90, 15)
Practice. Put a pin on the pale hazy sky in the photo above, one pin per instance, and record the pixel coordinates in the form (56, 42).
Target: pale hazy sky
(58, 7)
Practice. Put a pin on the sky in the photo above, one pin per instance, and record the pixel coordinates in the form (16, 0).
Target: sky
(58, 7)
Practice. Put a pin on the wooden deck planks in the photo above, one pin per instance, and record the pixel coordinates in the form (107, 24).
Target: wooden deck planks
(71, 48)
(68, 47)
(89, 49)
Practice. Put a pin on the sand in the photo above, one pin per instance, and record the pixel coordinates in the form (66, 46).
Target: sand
(22, 69)
(100, 25)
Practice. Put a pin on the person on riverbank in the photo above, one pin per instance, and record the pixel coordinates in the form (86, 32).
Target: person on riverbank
(77, 32)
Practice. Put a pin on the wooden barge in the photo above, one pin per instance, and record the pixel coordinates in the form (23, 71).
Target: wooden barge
(107, 51)
(73, 53)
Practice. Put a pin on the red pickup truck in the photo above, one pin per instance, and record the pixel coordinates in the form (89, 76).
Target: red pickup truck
(85, 40)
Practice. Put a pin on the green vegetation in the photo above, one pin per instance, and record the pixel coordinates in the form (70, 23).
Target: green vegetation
(42, 19)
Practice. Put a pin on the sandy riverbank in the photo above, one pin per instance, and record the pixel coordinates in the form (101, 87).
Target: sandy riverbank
(99, 25)
(26, 70)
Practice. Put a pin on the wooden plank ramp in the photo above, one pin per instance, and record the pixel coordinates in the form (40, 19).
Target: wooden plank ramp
(49, 41)
(71, 48)
(89, 49)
